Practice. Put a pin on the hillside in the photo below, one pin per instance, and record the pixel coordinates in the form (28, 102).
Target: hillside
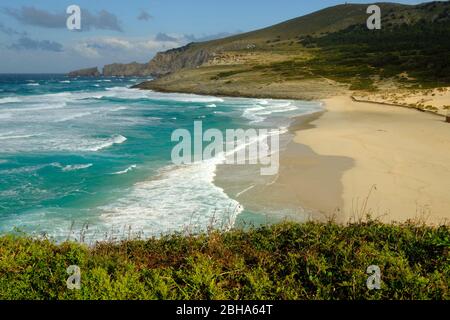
(306, 57)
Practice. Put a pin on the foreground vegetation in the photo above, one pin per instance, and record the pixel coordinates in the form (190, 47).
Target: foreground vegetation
(284, 261)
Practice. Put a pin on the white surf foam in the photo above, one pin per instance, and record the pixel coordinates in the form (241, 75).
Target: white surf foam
(5, 115)
(263, 109)
(180, 198)
(75, 167)
(74, 116)
(129, 93)
(37, 107)
(10, 100)
(130, 168)
(9, 136)
(29, 169)
(105, 143)
(118, 109)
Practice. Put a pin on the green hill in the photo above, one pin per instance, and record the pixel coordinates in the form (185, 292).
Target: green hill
(412, 49)
(331, 19)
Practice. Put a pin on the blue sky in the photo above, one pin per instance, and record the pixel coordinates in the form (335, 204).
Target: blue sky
(34, 39)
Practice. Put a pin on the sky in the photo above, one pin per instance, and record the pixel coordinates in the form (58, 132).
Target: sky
(34, 37)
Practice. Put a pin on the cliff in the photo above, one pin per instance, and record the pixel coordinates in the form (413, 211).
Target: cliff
(126, 69)
(163, 63)
(175, 59)
(88, 72)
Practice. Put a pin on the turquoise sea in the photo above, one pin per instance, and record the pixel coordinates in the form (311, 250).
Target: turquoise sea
(93, 154)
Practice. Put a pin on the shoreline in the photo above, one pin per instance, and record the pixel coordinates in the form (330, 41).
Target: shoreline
(306, 90)
(297, 192)
(352, 160)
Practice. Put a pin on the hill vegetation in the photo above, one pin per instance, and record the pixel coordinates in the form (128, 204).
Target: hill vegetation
(329, 46)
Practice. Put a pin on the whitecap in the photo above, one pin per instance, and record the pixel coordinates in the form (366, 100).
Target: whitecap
(38, 107)
(75, 167)
(264, 108)
(118, 109)
(130, 168)
(74, 116)
(106, 143)
(17, 136)
(30, 169)
(263, 102)
(10, 100)
(130, 93)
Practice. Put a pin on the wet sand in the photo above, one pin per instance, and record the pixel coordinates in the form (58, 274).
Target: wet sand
(307, 186)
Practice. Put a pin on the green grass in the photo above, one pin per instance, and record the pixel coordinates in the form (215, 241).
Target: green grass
(283, 261)
(226, 74)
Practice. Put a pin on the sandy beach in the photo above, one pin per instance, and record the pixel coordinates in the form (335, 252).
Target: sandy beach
(401, 159)
(352, 160)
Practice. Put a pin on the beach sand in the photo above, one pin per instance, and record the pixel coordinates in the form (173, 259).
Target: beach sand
(401, 159)
(352, 160)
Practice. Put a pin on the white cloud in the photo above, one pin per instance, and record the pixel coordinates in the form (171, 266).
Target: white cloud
(105, 46)
(115, 49)
(83, 49)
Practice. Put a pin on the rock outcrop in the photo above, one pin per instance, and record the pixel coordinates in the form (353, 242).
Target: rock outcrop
(126, 69)
(88, 72)
(175, 59)
(163, 63)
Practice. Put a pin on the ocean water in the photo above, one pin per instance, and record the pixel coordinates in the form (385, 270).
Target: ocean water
(93, 154)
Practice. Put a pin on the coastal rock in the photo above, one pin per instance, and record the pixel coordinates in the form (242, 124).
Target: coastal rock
(126, 69)
(189, 56)
(163, 63)
(88, 72)
(175, 59)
